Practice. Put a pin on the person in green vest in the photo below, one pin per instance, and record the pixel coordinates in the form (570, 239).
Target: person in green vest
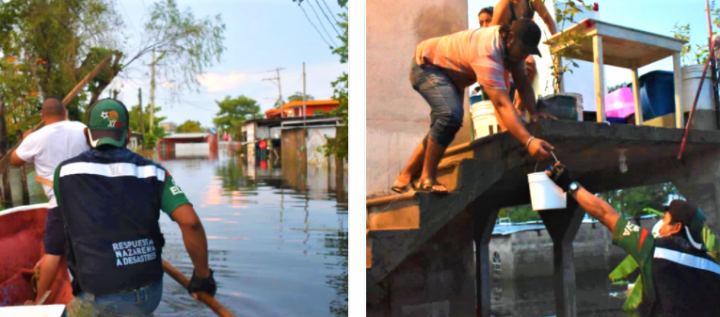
(677, 275)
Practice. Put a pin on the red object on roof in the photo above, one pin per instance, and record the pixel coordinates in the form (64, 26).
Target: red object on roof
(312, 107)
(273, 113)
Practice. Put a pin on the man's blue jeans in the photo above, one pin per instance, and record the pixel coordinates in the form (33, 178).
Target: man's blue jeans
(139, 302)
(445, 99)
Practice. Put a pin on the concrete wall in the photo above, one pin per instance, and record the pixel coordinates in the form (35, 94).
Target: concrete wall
(397, 116)
(436, 281)
(315, 140)
(530, 253)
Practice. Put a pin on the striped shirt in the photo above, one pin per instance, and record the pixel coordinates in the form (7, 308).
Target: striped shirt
(467, 56)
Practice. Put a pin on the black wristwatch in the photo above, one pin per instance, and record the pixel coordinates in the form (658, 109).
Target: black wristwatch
(573, 187)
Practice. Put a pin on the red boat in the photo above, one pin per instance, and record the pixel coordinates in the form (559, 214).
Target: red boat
(21, 248)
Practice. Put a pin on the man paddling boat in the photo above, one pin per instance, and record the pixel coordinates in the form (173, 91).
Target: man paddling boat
(110, 199)
(57, 141)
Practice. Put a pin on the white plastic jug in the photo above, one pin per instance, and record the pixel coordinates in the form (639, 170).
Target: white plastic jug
(544, 194)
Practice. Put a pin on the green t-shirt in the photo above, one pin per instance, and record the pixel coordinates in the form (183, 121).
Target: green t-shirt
(640, 244)
(173, 197)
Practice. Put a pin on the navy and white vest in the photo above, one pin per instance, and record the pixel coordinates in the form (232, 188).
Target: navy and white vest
(110, 201)
(687, 281)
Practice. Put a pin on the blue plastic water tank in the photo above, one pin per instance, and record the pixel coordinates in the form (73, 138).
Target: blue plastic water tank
(657, 94)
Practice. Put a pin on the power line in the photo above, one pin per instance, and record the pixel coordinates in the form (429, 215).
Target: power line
(326, 17)
(313, 24)
(319, 20)
(129, 18)
(331, 13)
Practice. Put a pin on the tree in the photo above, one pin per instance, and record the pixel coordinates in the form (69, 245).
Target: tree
(72, 36)
(189, 126)
(151, 135)
(233, 112)
(298, 96)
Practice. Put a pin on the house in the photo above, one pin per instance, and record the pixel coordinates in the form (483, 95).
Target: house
(312, 108)
(185, 145)
(168, 126)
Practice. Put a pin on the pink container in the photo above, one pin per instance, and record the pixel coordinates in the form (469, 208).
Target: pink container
(619, 103)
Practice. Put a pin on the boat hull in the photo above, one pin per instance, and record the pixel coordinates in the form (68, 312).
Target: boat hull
(21, 248)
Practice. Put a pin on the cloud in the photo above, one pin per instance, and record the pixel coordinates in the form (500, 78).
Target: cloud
(215, 82)
(168, 84)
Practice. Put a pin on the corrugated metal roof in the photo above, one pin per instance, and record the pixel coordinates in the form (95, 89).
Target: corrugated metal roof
(187, 135)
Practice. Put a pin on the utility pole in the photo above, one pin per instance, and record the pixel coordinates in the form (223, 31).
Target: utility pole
(304, 101)
(152, 90)
(274, 79)
(142, 122)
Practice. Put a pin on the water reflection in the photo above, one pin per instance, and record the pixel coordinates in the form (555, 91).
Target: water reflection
(277, 236)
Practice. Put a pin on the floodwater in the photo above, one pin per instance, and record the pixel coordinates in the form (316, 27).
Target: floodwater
(277, 238)
(534, 297)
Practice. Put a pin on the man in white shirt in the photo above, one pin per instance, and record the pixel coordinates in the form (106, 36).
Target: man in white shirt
(56, 142)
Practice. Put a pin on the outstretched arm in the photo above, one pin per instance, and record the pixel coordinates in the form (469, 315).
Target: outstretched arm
(194, 238)
(593, 205)
(545, 16)
(537, 148)
(597, 208)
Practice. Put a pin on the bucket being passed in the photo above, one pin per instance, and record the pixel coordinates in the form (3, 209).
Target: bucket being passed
(544, 194)
(484, 120)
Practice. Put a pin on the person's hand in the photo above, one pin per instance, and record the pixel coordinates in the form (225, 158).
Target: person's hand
(537, 116)
(199, 284)
(538, 149)
(560, 175)
(29, 302)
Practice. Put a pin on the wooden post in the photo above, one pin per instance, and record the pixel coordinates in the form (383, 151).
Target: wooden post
(679, 107)
(7, 192)
(25, 188)
(483, 224)
(563, 225)
(599, 78)
(142, 121)
(636, 97)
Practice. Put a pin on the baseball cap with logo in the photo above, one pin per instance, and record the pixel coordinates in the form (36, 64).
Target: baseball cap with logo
(529, 33)
(691, 217)
(108, 123)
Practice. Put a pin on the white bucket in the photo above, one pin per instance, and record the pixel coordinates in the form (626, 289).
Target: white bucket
(544, 194)
(484, 120)
(691, 76)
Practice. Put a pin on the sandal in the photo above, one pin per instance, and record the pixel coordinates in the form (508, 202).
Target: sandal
(404, 189)
(426, 186)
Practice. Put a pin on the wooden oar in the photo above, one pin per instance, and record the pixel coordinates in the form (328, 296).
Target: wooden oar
(5, 161)
(202, 296)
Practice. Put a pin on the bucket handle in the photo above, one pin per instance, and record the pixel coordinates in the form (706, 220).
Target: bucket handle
(554, 157)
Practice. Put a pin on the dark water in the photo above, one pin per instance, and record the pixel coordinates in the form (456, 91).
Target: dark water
(277, 241)
(534, 297)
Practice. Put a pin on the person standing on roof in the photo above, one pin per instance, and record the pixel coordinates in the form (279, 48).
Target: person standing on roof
(57, 141)
(679, 278)
(443, 67)
(110, 199)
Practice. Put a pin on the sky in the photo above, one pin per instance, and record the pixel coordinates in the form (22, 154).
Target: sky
(655, 16)
(260, 36)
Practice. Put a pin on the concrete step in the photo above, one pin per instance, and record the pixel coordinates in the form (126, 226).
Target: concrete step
(398, 225)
